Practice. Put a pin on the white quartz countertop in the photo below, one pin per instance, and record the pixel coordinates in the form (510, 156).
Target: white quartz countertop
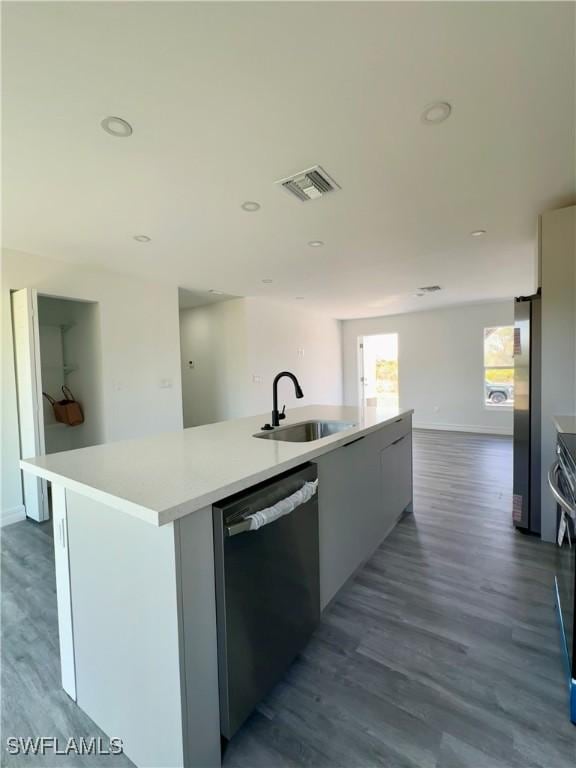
(166, 476)
(565, 424)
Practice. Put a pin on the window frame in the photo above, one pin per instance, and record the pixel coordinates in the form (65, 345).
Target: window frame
(507, 406)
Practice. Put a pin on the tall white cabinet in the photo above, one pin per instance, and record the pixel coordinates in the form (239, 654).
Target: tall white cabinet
(557, 263)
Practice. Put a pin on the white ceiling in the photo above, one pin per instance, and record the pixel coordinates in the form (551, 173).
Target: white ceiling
(189, 299)
(226, 98)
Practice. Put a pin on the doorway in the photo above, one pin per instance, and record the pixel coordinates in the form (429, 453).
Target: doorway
(378, 366)
(69, 359)
(56, 352)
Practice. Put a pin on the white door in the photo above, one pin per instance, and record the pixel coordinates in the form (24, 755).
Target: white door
(29, 392)
(378, 370)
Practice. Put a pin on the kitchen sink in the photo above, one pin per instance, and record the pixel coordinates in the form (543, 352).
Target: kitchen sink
(306, 431)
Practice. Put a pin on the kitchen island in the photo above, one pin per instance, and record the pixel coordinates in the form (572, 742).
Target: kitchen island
(134, 559)
(565, 424)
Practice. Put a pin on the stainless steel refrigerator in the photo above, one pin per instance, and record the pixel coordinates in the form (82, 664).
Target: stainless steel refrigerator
(527, 393)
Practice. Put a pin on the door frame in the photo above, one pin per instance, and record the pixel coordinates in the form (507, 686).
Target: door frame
(361, 373)
(28, 377)
(360, 378)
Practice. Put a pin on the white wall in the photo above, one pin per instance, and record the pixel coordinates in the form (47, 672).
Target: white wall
(283, 337)
(440, 362)
(213, 337)
(239, 346)
(140, 348)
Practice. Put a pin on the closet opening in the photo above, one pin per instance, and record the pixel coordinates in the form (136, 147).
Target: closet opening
(57, 357)
(70, 364)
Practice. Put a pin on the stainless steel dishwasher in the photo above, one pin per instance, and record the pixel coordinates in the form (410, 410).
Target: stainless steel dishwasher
(267, 587)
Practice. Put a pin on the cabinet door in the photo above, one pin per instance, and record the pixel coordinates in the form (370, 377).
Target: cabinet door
(63, 591)
(349, 502)
(362, 491)
(396, 478)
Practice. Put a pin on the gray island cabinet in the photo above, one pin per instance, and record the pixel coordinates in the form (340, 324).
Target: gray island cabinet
(134, 560)
(364, 487)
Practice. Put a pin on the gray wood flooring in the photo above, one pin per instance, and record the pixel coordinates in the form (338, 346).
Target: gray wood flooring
(442, 652)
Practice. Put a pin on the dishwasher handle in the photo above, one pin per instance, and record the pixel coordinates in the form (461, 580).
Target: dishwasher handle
(270, 514)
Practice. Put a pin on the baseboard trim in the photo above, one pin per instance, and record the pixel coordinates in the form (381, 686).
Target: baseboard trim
(474, 428)
(12, 515)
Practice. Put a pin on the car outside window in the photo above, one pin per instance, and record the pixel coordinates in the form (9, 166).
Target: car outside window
(499, 366)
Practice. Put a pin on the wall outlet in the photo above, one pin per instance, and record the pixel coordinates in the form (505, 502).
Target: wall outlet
(300, 352)
(436, 408)
(257, 379)
(165, 383)
(190, 363)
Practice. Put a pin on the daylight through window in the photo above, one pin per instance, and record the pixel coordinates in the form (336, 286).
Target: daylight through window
(499, 366)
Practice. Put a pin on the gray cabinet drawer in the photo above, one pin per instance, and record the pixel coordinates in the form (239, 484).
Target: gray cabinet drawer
(391, 432)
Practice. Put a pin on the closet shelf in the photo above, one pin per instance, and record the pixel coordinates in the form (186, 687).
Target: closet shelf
(65, 368)
(63, 326)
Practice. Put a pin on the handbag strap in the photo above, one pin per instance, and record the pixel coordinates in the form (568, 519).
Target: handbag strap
(67, 393)
(50, 399)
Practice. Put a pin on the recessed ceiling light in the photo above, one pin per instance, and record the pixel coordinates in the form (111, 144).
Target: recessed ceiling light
(478, 233)
(142, 238)
(267, 280)
(116, 126)
(250, 206)
(316, 243)
(436, 113)
(299, 298)
(216, 293)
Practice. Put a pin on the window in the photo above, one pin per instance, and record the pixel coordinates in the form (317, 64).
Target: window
(499, 366)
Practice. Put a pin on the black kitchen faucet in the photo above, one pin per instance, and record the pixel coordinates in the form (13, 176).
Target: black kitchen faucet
(276, 415)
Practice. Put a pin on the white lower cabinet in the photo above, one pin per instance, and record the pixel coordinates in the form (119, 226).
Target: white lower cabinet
(363, 489)
(63, 592)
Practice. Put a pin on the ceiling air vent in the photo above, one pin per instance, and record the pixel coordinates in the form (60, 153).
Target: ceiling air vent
(430, 288)
(310, 184)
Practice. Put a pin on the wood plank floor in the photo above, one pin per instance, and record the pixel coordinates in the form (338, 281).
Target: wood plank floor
(443, 651)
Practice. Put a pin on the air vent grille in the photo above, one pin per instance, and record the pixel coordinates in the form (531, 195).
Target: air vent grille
(430, 288)
(310, 184)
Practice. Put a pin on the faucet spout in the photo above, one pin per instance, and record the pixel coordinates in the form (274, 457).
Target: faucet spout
(276, 415)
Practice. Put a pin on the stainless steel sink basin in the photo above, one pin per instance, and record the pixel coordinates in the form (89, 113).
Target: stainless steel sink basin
(306, 431)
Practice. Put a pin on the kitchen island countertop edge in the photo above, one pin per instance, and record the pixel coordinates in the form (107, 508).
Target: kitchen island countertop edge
(169, 475)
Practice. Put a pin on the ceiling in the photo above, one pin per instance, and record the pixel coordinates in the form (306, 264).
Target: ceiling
(191, 299)
(227, 98)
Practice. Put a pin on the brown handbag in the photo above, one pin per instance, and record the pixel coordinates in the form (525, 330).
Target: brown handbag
(67, 411)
